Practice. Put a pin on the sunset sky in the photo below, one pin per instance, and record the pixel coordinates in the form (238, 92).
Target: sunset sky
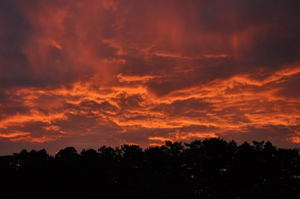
(108, 72)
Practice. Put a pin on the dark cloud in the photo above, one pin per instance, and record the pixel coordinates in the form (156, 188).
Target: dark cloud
(15, 31)
(289, 88)
(192, 107)
(11, 105)
(279, 135)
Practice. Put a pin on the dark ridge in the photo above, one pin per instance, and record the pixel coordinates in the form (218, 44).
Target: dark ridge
(210, 168)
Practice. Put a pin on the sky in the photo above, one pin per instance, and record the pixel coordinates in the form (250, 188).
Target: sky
(111, 72)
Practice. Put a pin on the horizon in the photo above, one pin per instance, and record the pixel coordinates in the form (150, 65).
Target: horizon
(184, 144)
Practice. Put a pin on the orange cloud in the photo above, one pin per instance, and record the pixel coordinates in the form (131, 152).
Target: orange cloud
(13, 134)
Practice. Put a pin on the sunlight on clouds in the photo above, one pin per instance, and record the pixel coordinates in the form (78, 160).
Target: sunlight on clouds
(144, 72)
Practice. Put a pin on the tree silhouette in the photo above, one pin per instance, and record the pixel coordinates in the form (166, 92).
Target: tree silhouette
(211, 168)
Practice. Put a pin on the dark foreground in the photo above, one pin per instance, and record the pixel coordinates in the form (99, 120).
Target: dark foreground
(212, 168)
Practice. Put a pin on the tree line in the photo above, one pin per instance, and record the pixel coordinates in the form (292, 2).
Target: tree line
(211, 168)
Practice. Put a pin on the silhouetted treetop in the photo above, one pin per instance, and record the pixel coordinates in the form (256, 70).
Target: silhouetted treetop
(211, 168)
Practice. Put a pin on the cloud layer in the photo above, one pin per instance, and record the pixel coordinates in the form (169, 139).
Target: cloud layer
(119, 71)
